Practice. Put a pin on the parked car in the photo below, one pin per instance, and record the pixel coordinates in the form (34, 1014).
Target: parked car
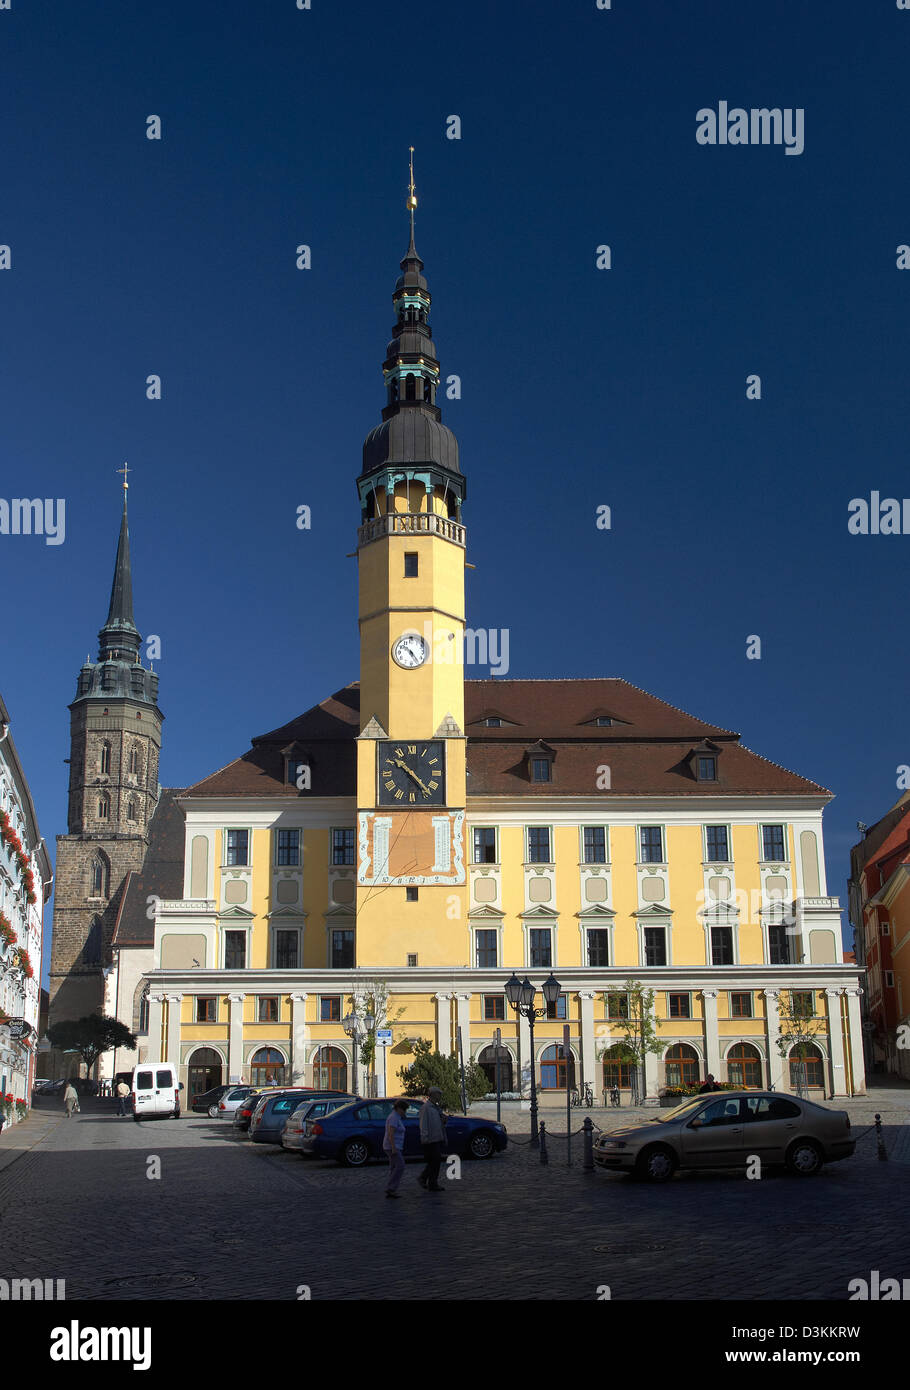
(155, 1090)
(232, 1098)
(292, 1131)
(207, 1101)
(274, 1108)
(243, 1110)
(353, 1135)
(725, 1131)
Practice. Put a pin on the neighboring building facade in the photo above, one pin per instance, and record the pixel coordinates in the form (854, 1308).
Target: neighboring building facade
(879, 897)
(25, 885)
(115, 742)
(425, 835)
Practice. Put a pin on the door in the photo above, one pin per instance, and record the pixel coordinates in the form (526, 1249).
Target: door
(717, 1142)
(144, 1090)
(771, 1122)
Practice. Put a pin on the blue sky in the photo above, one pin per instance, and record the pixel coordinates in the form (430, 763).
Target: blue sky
(580, 387)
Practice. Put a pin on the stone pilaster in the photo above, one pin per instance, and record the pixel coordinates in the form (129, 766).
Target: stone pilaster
(772, 1031)
(235, 1037)
(589, 1069)
(838, 1077)
(300, 1037)
(712, 1039)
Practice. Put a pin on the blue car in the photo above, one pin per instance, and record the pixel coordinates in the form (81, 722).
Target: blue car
(271, 1113)
(354, 1133)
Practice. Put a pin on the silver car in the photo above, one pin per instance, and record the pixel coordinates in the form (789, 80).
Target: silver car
(725, 1130)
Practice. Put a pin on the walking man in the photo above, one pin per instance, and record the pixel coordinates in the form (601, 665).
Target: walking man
(393, 1145)
(122, 1093)
(432, 1139)
(70, 1100)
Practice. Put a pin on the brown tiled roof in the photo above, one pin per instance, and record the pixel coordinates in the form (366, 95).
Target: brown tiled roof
(648, 752)
(161, 874)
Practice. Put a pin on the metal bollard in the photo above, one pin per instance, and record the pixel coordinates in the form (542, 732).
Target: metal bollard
(543, 1143)
(587, 1165)
(880, 1140)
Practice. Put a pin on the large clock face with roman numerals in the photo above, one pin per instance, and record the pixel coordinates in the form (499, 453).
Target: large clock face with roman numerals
(412, 774)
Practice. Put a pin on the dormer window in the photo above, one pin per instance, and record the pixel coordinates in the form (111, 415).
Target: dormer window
(706, 765)
(604, 721)
(492, 723)
(541, 770)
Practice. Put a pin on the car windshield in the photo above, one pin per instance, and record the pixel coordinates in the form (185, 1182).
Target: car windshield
(687, 1108)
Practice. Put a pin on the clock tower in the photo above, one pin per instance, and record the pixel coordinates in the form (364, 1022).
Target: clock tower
(411, 891)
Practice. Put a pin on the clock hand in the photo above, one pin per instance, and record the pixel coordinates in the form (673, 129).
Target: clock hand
(399, 762)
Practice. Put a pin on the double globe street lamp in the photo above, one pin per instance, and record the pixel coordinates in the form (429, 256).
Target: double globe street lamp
(358, 1028)
(521, 995)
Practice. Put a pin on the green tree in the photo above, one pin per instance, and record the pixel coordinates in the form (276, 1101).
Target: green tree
(90, 1037)
(430, 1068)
(634, 1019)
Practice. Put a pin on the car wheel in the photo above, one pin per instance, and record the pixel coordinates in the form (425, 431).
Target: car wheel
(213, 1112)
(480, 1145)
(804, 1158)
(355, 1153)
(656, 1164)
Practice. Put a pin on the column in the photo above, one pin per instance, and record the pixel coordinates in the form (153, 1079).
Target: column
(463, 1021)
(588, 1049)
(651, 1085)
(154, 1033)
(300, 1037)
(174, 1002)
(443, 1023)
(712, 1040)
(855, 1032)
(776, 1062)
(235, 1037)
(527, 1061)
(838, 1077)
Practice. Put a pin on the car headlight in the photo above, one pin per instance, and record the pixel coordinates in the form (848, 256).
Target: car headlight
(613, 1144)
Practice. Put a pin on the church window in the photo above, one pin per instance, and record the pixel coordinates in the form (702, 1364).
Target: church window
(410, 387)
(91, 954)
(104, 807)
(99, 877)
(105, 757)
(144, 1011)
(134, 760)
(131, 810)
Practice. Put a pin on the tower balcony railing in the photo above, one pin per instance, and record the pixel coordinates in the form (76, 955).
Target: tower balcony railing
(411, 524)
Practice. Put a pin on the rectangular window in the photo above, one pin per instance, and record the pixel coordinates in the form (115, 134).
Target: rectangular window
(679, 1006)
(484, 844)
(541, 948)
(330, 1008)
(238, 847)
(655, 946)
(718, 849)
(285, 950)
(268, 1008)
(772, 838)
(410, 564)
(412, 959)
(722, 946)
(889, 979)
(410, 894)
(778, 944)
(343, 846)
(540, 769)
(559, 1009)
(287, 847)
(652, 847)
(539, 844)
(598, 946)
(595, 844)
(342, 950)
(235, 950)
(494, 1007)
(707, 769)
(485, 948)
(802, 1003)
(206, 1009)
(740, 1004)
(617, 1004)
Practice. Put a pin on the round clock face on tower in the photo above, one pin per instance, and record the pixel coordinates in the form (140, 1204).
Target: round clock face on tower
(412, 774)
(410, 650)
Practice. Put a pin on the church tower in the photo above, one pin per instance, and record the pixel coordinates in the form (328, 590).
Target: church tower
(115, 741)
(411, 894)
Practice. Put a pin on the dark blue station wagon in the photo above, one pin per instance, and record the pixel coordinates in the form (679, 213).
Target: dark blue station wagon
(353, 1135)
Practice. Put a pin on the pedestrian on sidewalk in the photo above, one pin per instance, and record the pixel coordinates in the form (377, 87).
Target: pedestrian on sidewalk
(393, 1145)
(432, 1139)
(709, 1084)
(122, 1093)
(70, 1100)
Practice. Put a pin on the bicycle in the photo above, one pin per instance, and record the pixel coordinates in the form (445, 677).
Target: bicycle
(615, 1098)
(588, 1094)
(575, 1098)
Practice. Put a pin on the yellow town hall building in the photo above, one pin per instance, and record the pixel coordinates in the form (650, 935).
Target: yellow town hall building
(428, 835)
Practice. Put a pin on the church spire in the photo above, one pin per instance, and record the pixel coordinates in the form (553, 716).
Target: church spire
(119, 638)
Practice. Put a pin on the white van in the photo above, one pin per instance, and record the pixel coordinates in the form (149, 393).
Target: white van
(155, 1090)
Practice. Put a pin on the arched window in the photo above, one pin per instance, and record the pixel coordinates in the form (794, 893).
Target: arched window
(807, 1068)
(267, 1067)
(144, 1011)
(427, 389)
(91, 951)
(134, 760)
(744, 1066)
(330, 1070)
(99, 877)
(105, 757)
(393, 390)
(553, 1069)
(681, 1064)
(104, 806)
(410, 387)
(486, 1060)
(617, 1070)
(131, 811)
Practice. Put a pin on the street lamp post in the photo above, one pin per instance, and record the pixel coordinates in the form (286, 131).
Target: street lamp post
(358, 1027)
(521, 995)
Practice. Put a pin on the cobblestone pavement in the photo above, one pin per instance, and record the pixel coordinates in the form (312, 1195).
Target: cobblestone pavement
(229, 1219)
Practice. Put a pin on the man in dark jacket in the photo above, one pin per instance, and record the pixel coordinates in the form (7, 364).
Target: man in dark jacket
(432, 1139)
(709, 1084)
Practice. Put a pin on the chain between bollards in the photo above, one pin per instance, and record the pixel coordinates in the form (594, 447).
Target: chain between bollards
(880, 1140)
(542, 1132)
